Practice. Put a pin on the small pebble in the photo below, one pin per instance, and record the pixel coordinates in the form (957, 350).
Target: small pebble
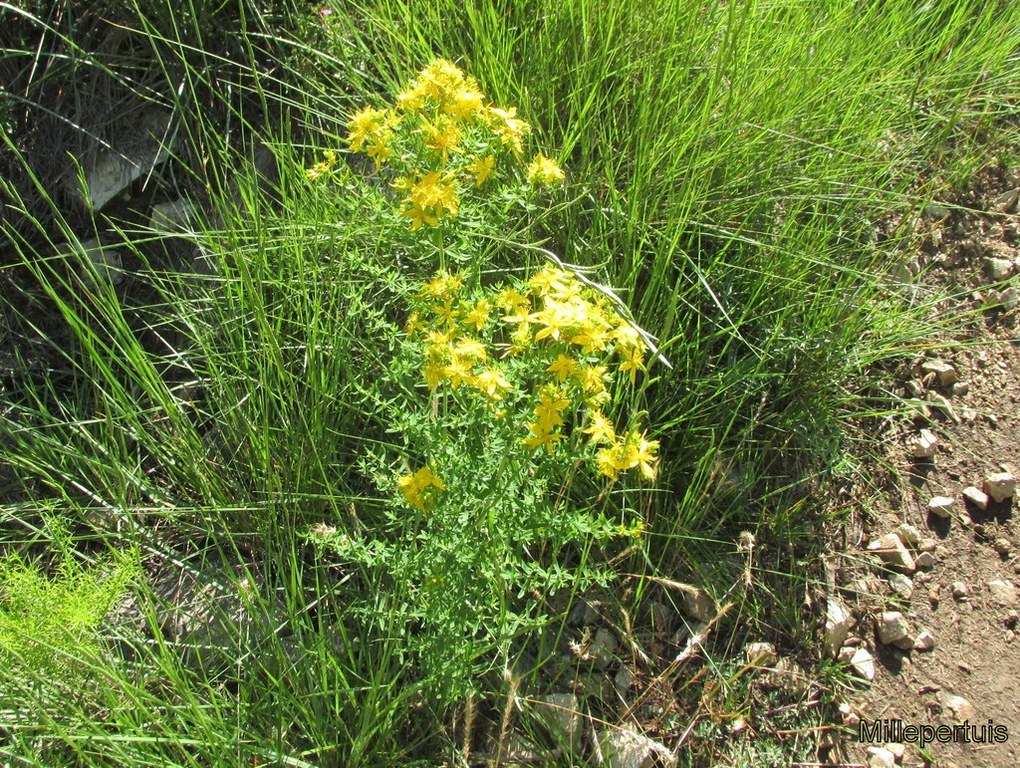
(976, 497)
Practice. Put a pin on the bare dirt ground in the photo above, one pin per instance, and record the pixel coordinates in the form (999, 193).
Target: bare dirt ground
(963, 586)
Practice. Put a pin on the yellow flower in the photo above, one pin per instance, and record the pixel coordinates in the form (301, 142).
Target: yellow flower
(481, 168)
(550, 280)
(436, 192)
(544, 170)
(444, 285)
(458, 371)
(626, 335)
(446, 311)
(466, 102)
(442, 137)
(508, 127)
(600, 428)
(416, 487)
(418, 216)
(608, 461)
(379, 149)
(548, 414)
(492, 383)
(322, 168)
(592, 379)
(364, 122)
(633, 361)
(471, 349)
(433, 373)
(440, 78)
(592, 337)
(510, 299)
(479, 314)
(542, 437)
(563, 366)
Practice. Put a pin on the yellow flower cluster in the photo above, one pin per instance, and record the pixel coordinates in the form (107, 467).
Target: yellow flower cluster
(563, 331)
(439, 133)
(324, 167)
(419, 488)
(452, 353)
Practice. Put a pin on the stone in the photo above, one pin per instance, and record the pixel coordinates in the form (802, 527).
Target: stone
(908, 534)
(837, 626)
(893, 630)
(173, 215)
(1003, 546)
(898, 750)
(922, 445)
(561, 715)
(892, 552)
(602, 648)
(761, 654)
(624, 679)
(125, 159)
(585, 613)
(1007, 201)
(863, 664)
(936, 212)
(901, 585)
(960, 590)
(960, 388)
(943, 371)
(924, 561)
(941, 506)
(959, 708)
(627, 748)
(975, 496)
(1003, 592)
(880, 757)
(925, 641)
(1007, 298)
(698, 604)
(1000, 486)
(998, 269)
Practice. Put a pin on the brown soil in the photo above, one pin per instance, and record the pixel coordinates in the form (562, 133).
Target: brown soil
(977, 426)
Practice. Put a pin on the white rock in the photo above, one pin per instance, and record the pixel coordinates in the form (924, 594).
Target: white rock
(1006, 298)
(837, 626)
(1003, 592)
(761, 654)
(959, 708)
(908, 534)
(925, 641)
(922, 445)
(890, 548)
(998, 269)
(960, 589)
(880, 757)
(902, 585)
(898, 750)
(924, 561)
(945, 373)
(602, 647)
(863, 664)
(1000, 486)
(174, 215)
(941, 506)
(561, 714)
(626, 748)
(116, 166)
(698, 604)
(976, 497)
(893, 630)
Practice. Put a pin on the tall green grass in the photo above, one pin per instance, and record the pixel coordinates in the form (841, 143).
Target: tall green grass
(728, 166)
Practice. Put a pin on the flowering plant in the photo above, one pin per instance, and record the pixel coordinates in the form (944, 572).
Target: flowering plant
(502, 395)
